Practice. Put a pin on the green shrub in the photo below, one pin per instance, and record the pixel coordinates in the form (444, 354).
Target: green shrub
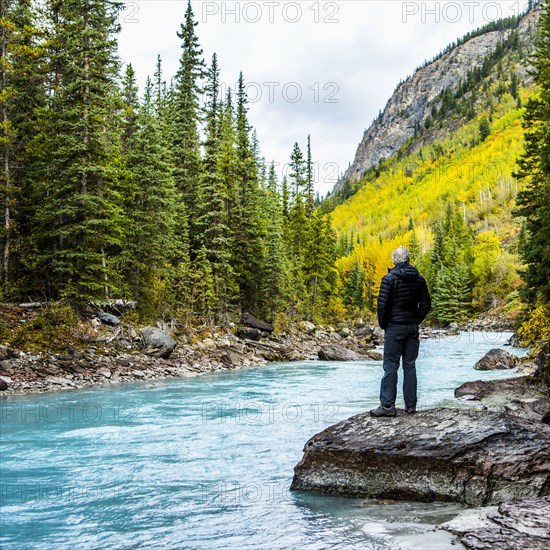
(53, 330)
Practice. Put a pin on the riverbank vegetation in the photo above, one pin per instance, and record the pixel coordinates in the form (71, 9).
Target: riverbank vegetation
(472, 207)
(534, 199)
(163, 197)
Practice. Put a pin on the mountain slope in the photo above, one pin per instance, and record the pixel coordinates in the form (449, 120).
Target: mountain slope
(414, 101)
(448, 189)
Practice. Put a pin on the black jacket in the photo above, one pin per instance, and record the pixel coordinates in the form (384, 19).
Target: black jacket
(404, 298)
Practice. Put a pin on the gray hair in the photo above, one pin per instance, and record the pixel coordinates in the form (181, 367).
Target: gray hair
(400, 255)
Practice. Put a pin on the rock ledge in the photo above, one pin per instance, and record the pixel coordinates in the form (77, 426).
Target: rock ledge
(473, 457)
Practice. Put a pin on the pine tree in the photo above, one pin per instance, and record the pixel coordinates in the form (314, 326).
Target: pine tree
(297, 176)
(152, 244)
(353, 294)
(309, 181)
(22, 93)
(217, 170)
(318, 267)
(274, 260)
(534, 169)
(248, 227)
(130, 105)
(185, 111)
(78, 220)
(451, 301)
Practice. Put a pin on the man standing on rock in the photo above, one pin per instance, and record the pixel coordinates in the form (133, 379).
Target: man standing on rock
(403, 303)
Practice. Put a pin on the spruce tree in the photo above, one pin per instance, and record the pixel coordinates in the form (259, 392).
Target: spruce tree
(186, 117)
(285, 199)
(274, 258)
(218, 166)
(318, 266)
(78, 220)
(298, 228)
(130, 105)
(437, 255)
(309, 181)
(297, 176)
(353, 293)
(249, 230)
(415, 249)
(22, 93)
(202, 293)
(159, 86)
(451, 301)
(152, 244)
(534, 169)
(484, 129)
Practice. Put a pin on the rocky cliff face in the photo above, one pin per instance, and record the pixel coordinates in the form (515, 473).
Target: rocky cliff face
(412, 101)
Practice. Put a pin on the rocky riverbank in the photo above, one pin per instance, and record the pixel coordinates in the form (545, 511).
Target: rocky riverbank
(521, 524)
(496, 457)
(119, 353)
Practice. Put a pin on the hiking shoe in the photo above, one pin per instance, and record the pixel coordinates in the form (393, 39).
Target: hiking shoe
(383, 411)
(410, 410)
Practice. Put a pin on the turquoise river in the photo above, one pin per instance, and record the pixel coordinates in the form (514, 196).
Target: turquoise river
(207, 462)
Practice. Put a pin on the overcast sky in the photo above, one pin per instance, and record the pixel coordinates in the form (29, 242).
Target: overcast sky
(313, 67)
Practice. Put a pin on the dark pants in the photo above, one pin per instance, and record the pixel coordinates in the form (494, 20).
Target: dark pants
(400, 341)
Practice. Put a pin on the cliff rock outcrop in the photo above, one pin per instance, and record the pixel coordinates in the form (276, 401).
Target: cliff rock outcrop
(412, 102)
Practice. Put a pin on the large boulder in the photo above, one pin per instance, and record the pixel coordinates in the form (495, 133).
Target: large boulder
(307, 327)
(472, 457)
(518, 524)
(497, 359)
(249, 334)
(157, 342)
(108, 318)
(334, 352)
(366, 333)
(8, 353)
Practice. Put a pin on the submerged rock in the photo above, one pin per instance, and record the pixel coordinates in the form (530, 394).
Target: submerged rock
(497, 359)
(518, 524)
(472, 457)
